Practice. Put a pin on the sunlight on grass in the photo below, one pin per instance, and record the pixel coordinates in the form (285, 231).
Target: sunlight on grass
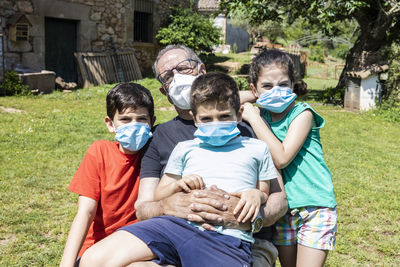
(41, 148)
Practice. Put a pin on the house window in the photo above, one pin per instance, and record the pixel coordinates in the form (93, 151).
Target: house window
(143, 27)
(22, 32)
(143, 21)
(18, 27)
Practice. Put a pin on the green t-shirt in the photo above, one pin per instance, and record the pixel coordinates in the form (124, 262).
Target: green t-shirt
(307, 179)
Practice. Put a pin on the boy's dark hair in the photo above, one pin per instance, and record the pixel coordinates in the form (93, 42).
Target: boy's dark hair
(128, 95)
(214, 86)
(269, 57)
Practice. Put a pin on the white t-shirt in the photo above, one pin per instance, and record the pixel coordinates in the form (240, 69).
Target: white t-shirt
(234, 167)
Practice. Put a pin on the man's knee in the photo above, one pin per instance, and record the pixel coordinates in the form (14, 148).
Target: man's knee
(264, 253)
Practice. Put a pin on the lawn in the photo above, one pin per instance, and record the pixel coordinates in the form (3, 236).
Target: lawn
(44, 138)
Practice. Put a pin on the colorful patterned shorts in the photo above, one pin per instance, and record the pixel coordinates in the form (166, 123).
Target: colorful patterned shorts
(313, 227)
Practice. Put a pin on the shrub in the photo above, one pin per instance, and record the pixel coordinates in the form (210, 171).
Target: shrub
(190, 29)
(234, 48)
(242, 82)
(12, 85)
(334, 96)
(389, 108)
(316, 53)
(391, 89)
(340, 51)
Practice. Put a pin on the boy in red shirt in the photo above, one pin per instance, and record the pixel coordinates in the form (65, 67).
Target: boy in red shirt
(107, 179)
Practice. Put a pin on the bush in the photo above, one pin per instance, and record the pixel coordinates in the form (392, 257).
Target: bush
(316, 53)
(340, 51)
(12, 85)
(190, 29)
(333, 95)
(234, 48)
(243, 83)
(391, 89)
(390, 114)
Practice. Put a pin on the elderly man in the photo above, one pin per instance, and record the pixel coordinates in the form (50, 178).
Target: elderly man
(173, 68)
(176, 67)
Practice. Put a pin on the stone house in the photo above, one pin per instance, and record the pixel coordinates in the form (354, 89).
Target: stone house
(43, 34)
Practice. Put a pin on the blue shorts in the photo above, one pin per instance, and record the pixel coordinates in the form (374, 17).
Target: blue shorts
(176, 242)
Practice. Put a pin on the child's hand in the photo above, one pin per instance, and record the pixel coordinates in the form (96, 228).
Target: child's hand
(190, 182)
(250, 112)
(250, 202)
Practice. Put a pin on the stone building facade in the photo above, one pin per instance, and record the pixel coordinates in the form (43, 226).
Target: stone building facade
(57, 28)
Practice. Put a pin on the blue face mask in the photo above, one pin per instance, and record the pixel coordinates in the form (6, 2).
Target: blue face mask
(217, 133)
(277, 99)
(133, 136)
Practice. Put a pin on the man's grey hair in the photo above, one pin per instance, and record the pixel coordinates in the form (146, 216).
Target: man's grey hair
(189, 52)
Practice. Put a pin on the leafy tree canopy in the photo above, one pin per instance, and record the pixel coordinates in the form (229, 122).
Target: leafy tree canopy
(190, 29)
(378, 20)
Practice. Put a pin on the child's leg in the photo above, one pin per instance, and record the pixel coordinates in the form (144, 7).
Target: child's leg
(287, 255)
(316, 236)
(119, 249)
(310, 257)
(285, 239)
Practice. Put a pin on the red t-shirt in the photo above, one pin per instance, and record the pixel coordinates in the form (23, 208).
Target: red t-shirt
(112, 179)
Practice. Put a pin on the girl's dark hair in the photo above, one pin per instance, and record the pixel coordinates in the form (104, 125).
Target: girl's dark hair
(128, 95)
(214, 86)
(271, 57)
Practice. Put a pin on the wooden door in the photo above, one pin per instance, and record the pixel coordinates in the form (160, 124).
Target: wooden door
(60, 45)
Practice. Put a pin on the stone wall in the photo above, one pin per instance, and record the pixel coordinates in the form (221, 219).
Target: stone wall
(99, 22)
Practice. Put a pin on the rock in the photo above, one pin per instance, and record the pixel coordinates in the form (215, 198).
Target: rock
(24, 7)
(110, 30)
(61, 84)
(95, 16)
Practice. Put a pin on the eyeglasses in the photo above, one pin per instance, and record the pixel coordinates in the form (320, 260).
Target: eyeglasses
(184, 67)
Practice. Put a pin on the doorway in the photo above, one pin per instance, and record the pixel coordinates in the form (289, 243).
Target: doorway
(60, 46)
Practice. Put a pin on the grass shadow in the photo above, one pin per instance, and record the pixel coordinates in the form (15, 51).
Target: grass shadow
(313, 95)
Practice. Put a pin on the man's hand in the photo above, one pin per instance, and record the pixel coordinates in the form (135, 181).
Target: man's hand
(214, 206)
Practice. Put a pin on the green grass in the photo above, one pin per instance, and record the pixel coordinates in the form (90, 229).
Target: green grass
(41, 148)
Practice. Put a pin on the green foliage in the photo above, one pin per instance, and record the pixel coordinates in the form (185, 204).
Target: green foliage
(378, 21)
(333, 95)
(318, 12)
(242, 83)
(389, 109)
(190, 29)
(12, 85)
(391, 114)
(391, 92)
(316, 53)
(234, 48)
(339, 51)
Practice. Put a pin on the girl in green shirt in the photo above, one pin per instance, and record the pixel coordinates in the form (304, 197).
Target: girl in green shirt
(308, 231)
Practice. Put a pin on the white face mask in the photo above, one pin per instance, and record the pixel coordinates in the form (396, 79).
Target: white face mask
(179, 90)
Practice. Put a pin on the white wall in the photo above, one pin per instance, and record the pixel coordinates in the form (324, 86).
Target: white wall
(368, 92)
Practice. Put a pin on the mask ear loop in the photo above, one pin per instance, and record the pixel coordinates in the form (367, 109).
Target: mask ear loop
(198, 68)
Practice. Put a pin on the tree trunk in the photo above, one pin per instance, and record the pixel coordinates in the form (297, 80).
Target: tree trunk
(366, 50)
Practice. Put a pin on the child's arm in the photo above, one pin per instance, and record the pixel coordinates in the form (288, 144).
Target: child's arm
(251, 201)
(282, 152)
(171, 184)
(79, 228)
(247, 96)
